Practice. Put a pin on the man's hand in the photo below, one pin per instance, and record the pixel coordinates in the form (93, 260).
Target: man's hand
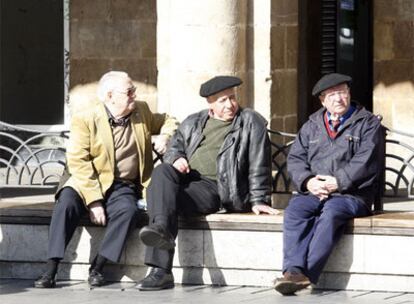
(97, 213)
(181, 165)
(322, 185)
(257, 209)
(160, 143)
(316, 186)
(330, 182)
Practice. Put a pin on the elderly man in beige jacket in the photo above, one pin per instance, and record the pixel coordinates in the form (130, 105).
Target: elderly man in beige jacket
(109, 161)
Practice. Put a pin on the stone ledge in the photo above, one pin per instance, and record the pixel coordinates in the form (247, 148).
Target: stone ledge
(389, 223)
(366, 262)
(369, 256)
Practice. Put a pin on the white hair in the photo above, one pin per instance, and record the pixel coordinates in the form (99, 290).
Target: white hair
(108, 82)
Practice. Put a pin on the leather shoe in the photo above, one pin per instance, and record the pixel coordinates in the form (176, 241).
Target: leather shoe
(156, 236)
(95, 278)
(157, 279)
(291, 283)
(45, 281)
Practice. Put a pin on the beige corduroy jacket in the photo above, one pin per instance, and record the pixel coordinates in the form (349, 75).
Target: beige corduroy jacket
(90, 153)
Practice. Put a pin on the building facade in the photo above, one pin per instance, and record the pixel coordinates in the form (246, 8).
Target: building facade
(54, 51)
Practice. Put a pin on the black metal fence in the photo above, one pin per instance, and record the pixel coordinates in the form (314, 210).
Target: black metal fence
(35, 159)
(31, 158)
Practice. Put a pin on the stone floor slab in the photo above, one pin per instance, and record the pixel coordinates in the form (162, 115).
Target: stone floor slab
(71, 292)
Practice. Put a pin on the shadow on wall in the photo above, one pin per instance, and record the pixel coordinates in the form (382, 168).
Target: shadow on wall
(113, 35)
(23, 254)
(337, 272)
(196, 254)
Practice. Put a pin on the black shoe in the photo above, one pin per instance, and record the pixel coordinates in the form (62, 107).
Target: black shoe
(157, 279)
(45, 281)
(96, 278)
(156, 236)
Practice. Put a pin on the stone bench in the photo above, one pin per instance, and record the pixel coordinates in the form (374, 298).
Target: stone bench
(376, 252)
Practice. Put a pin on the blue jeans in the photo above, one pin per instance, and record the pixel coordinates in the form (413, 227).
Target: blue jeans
(311, 229)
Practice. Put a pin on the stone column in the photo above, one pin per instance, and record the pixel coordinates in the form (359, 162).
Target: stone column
(394, 63)
(197, 40)
(259, 56)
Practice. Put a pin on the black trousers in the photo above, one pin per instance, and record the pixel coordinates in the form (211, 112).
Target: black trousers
(170, 194)
(121, 217)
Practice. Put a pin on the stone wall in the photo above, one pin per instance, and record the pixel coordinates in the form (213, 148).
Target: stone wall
(284, 64)
(394, 62)
(188, 42)
(112, 35)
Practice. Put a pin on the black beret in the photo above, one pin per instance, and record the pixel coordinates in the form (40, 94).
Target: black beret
(329, 81)
(218, 84)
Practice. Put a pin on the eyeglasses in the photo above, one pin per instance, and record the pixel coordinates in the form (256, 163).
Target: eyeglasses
(129, 92)
(341, 93)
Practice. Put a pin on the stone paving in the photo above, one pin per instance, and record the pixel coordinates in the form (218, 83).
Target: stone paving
(71, 292)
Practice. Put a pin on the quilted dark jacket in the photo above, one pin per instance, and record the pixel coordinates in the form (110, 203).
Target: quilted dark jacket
(353, 157)
(243, 162)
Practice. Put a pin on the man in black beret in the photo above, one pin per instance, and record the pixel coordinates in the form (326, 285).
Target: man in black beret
(334, 164)
(219, 160)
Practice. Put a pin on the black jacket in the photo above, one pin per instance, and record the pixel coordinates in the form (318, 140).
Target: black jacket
(243, 162)
(353, 157)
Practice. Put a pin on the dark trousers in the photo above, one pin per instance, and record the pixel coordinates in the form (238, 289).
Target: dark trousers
(121, 216)
(312, 228)
(170, 194)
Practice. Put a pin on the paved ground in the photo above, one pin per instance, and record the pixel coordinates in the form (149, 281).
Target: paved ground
(21, 292)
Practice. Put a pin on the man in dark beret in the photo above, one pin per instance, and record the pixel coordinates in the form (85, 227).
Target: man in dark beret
(219, 160)
(334, 163)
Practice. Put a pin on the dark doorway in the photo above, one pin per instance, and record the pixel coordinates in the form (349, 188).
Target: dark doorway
(31, 62)
(335, 36)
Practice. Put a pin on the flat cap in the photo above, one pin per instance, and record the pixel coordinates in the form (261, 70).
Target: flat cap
(329, 81)
(218, 84)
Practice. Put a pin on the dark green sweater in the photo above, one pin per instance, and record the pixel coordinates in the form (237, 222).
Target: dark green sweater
(204, 159)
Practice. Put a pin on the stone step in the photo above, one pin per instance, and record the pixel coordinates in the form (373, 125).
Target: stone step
(376, 253)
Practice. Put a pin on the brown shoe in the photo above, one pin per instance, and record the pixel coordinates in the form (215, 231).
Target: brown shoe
(291, 283)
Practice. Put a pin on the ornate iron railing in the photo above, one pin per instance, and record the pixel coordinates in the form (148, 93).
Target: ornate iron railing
(281, 142)
(398, 170)
(30, 158)
(36, 159)
(399, 164)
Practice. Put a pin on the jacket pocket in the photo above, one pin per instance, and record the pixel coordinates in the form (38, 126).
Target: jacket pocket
(353, 144)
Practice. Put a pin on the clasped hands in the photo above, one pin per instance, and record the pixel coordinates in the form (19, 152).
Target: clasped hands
(322, 186)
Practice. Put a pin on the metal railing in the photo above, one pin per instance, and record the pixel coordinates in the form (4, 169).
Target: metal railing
(398, 172)
(399, 164)
(36, 159)
(31, 158)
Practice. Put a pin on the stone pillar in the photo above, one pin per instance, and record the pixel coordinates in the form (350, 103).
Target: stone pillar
(197, 40)
(394, 63)
(259, 57)
(393, 94)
